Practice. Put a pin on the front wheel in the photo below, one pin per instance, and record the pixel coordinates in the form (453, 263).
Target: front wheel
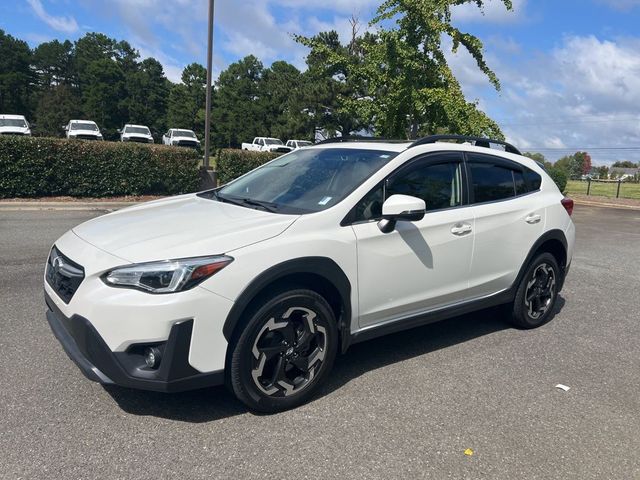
(537, 293)
(285, 351)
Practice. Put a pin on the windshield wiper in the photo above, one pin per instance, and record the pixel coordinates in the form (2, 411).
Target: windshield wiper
(243, 202)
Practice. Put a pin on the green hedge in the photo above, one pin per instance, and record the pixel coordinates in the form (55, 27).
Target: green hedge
(40, 167)
(560, 177)
(232, 164)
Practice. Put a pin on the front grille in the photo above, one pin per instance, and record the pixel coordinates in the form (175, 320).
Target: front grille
(86, 137)
(139, 139)
(63, 275)
(188, 143)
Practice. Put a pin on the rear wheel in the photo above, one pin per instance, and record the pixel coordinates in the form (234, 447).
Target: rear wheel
(537, 293)
(285, 351)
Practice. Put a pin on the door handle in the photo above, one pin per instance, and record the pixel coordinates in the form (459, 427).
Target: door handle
(461, 229)
(533, 219)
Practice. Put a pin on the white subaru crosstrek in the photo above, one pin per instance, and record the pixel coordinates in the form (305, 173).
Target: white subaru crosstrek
(262, 282)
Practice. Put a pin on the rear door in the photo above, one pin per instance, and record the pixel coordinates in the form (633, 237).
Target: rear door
(508, 220)
(421, 265)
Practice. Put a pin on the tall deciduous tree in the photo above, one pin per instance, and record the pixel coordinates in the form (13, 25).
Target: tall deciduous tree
(187, 99)
(404, 81)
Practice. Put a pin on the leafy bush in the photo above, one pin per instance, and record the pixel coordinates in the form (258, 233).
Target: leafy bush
(560, 177)
(37, 167)
(232, 164)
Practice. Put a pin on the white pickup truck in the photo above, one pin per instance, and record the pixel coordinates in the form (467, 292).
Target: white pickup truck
(82, 130)
(181, 137)
(266, 144)
(14, 125)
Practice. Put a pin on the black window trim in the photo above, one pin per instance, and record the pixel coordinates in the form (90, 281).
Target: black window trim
(501, 162)
(464, 186)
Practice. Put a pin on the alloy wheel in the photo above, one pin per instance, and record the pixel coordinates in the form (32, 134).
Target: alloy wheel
(540, 291)
(288, 352)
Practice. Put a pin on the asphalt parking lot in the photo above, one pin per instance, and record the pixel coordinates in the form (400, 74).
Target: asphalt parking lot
(404, 406)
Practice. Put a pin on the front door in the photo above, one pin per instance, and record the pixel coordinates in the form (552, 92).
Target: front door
(421, 265)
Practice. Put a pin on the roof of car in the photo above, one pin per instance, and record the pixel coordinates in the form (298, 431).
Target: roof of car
(86, 121)
(12, 117)
(133, 125)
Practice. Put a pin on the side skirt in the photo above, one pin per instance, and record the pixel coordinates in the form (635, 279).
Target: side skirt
(433, 316)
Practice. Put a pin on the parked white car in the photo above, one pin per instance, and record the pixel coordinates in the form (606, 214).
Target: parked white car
(14, 125)
(265, 280)
(136, 133)
(180, 137)
(83, 130)
(266, 144)
(296, 144)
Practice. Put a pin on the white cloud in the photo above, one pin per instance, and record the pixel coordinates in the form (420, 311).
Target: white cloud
(582, 94)
(59, 23)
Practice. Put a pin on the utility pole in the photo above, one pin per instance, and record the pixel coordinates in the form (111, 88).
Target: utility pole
(207, 121)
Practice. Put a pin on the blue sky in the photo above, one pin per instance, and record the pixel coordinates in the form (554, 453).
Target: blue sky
(570, 69)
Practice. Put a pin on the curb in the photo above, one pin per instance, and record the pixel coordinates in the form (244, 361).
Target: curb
(62, 206)
(607, 205)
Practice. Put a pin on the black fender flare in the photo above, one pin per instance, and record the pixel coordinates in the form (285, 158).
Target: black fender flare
(550, 235)
(320, 266)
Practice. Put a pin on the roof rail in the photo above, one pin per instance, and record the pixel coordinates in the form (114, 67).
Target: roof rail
(360, 139)
(477, 141)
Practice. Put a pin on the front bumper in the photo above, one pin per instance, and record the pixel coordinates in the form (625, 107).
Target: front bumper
(84, 345)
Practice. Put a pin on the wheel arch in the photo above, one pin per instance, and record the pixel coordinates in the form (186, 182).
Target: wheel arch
(320, 274)
(553, 242)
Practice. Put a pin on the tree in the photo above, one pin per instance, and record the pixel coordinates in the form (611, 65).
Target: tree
(575, 165)
(16, 77)
(625, 164)
(603, 172)
(400, 76)
(281, 101)
(540, 158)
(238, 113)
(53, 63)
(147, 96)
(56, 106)
(187, 99)
(104, 87)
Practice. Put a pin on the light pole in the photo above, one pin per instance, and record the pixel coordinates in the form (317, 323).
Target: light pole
(207, 121)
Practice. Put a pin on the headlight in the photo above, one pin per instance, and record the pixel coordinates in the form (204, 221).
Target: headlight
(167, 276)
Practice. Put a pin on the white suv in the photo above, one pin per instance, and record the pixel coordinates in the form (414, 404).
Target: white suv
(263, 281)
(83, 130)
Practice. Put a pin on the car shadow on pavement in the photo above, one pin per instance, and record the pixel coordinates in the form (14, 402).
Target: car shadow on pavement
(211, 404)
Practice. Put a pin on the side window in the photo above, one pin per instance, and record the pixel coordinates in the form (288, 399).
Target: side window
(491, 182)
(534, 181)
(439, 185)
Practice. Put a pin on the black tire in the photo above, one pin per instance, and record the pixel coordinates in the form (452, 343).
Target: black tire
(537, 293)
(285, 351)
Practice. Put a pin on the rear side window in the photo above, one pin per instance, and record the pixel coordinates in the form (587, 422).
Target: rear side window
(534, 181)
(491, 182)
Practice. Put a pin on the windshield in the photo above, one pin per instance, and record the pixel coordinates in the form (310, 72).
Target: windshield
(184, 133)
(13, 122)
(272, 141)
(84, 126)
(141, 130)
(307, 180)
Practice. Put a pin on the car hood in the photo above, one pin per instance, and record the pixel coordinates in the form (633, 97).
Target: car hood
(182, 139)
(73, 133)
(180, 227)
(20, 130)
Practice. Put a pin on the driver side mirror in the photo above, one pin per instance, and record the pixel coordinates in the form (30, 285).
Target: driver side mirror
(401, 208)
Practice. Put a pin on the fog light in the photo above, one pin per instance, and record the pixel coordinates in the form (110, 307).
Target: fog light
(152, 357)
